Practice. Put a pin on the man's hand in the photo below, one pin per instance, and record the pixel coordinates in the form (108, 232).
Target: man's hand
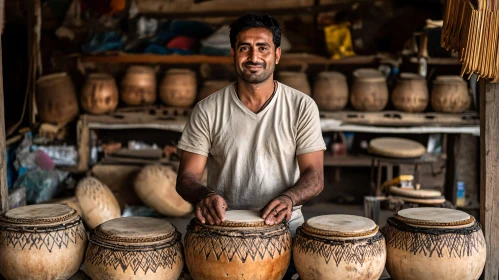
(277, 209)
(211, 209)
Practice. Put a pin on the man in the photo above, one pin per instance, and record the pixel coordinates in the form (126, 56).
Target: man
(261, 140)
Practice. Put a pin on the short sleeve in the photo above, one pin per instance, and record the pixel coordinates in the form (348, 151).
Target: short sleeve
(196, 135)
(309, 133)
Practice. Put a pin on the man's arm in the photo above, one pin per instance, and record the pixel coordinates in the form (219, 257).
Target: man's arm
(309, 185)
(209, 205)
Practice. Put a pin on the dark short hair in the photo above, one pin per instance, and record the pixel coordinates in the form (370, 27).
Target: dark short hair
(255, 21)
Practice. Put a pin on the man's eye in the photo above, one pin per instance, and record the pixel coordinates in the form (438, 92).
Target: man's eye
(243, 48)
(263, 48)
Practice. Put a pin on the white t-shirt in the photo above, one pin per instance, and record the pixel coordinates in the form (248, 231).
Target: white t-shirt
(252, 157)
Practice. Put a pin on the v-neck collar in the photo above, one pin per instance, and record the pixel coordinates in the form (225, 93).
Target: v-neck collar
(248, 111)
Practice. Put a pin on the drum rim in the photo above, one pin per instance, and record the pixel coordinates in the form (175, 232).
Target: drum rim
(372, 237)
(338, 234)
(236, 231)
(413, 222)
(418, 151)
(41, 229)
(422, 200)
(69, 217)
(412, 193)
(137, 244)
(432, 229)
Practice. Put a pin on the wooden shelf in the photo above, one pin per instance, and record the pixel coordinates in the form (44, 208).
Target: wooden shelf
(287, 59)
(347, 161)
(438, 61)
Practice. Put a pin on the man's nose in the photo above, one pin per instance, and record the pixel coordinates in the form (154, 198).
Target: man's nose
(253, 56)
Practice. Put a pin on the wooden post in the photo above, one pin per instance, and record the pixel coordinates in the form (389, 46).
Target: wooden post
(489, 175)
(4, 194)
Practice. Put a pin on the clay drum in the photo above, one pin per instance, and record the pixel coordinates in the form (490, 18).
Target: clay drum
(410, 93)
(242, 246)
(339, 247)
(178, 88)
(450, 95)
(434, 243)
(97, 203)
(331, 91)
(99, 95)
(56, 99)
(138, 87)
(421, 196)
(296, 80)
(369, 90)
(155, 186)
(134, 248)
(43, 241)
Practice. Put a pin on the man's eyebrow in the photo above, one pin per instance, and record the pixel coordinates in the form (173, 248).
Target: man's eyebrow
(248, 44)
(263, 44)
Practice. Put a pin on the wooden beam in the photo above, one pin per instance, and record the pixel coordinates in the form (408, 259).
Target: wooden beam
(489, 175)
(4, 193)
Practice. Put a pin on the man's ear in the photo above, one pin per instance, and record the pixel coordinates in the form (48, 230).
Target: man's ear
(277, 55)
(232, 52)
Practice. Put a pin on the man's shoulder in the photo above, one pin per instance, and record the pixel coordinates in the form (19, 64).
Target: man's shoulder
(217, 97)
(296, 97)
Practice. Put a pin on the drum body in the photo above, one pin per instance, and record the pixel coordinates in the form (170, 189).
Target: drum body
(138, 87)
(43, 241)
(135, 248)
(450, 95)
(434, 243)
(240, 248)
(56, 99)
(97, 203)
(155, 186)
(369, 90)
(331, 91)
(410, 93)
(99, 95)
(296, 80)
(178, 88)
(339, 247)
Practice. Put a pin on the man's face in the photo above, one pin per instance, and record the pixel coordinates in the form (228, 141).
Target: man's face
(255, 55)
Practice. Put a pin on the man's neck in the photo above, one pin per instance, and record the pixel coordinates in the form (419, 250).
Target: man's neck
(254, 96)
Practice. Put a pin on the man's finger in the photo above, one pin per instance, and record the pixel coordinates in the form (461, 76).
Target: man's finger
(199, 215)
(270, 220)
(210, 219)
(288, 215)
(220, 208)
(281, 216)
(269, 207)
(213, 214)
(279, 208)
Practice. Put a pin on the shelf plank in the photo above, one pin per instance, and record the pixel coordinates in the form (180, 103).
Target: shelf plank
(439, 61)
(286, 59)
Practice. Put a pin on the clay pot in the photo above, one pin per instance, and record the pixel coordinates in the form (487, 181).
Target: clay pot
(369, 90)
(434, 243)
(138, 87)
(296, 80)
(210, 87)
(56, 99)
(331, 91)
(135, 248)
(339, 247)
(98, 204)
(410, 93)
(99, 94)
(450, 95)
(155, 186)
(43, 241)
(241, 245)
(178, 88)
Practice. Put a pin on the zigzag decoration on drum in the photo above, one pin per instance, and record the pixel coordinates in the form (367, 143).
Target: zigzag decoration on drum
(149, 260)
(430, 241)
(43, 238)
(208, 243)
(348, 251)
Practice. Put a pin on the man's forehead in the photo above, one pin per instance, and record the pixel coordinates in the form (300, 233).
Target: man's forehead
(255, 34)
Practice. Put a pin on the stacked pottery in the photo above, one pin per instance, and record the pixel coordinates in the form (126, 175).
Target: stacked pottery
(135, 248)
(42, 241)
(210, 87)
(178, 88)
(331, 91)
(155, 186)
(296, 80)
(138, 87)
(369, 90)
(56, 99)
(450, 95)
(99, 94)
(410, 93)
(98, 204)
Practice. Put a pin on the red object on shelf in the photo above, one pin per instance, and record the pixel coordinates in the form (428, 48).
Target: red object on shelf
(182, 42)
